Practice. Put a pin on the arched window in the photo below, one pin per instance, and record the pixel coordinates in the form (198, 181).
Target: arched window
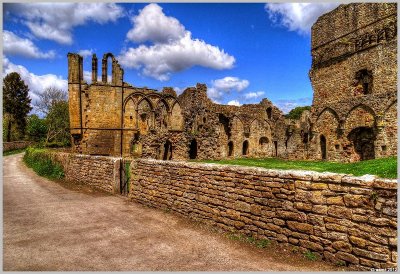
(245, 149)
(263, 142)
(167, 151)
(230, 148)
(322, 142)
(193, 149)
(363, 81)
(269, 113)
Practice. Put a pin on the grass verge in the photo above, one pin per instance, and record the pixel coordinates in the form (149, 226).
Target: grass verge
(40, 161)
(384, 167)
(12, 152)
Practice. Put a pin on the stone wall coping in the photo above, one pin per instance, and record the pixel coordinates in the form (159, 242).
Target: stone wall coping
(365, 180)
(97, 157)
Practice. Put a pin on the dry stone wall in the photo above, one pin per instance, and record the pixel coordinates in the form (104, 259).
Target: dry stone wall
(7, 146)
(98, 171)
(352, 220)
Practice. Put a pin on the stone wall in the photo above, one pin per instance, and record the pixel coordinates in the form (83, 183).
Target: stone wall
(98, 171)
(7, 146)
(352, 220)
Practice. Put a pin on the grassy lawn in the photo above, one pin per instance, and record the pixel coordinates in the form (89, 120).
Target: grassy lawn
(384, 168)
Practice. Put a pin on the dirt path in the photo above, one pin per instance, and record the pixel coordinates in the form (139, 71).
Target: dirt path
(49, 227)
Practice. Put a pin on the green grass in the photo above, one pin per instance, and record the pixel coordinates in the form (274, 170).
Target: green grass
(40, 161)
(12, 152)
(263, 243)
(384, 167)
(310, 256)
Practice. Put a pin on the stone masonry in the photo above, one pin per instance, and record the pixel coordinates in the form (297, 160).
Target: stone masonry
(348, 220)
(354, 78)
(353, 116)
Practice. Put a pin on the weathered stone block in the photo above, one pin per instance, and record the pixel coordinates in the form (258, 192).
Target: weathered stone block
(342, 246)
(320, 209)
(311, 245)
(287, 215)
(303, 206)
(347, 257)
(302, 227)
(355, 200)
(358, 241)
(371, 255)
(340, 212)
(338, 200)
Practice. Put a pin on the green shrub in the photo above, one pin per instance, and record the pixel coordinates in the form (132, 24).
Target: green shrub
(40, 161)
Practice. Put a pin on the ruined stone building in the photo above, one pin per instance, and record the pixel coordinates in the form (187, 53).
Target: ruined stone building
(354, 78)
(111, 117)
(353, 116)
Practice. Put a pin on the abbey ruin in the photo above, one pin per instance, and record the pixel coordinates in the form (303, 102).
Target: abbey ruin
(353, 115)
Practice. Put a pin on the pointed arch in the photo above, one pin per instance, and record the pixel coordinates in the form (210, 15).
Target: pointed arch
(360, 116)
(361, 106)
(132, 95)
(329, 110)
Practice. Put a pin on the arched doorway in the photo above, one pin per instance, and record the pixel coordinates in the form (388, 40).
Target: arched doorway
(363, 142)
(167, 150)
(322, 142)
(193, 149)
(263, 143)
(245, 149)
(230, 148)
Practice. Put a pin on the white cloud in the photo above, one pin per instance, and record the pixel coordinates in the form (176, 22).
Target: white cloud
(223, 86)
(55, 21)
(230, 83)
(85, 52)
(297, 16)
(253, 95)
(234, 103)
(15, 45)
(153, 25)
(160, 60)
(36, 83)
(287, 105)
(178, 90)
(171, 50)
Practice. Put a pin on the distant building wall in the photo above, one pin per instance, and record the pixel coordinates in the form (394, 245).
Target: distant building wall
(7, 146)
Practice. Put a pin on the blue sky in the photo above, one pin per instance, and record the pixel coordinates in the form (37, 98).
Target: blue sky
(242, 52)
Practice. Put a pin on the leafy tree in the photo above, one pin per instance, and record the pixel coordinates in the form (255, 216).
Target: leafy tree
(296, 112)
(36, 128)
(57, 121)
(16, 103)
(48, 97)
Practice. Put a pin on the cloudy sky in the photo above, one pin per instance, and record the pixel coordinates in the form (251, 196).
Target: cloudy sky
(242, 52)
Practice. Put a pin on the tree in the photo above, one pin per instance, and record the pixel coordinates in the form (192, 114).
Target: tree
(16, 103)
(49, 96)
(57, 121)
(296, 112)
(36, 128)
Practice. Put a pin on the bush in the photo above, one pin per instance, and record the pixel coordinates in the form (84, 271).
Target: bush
(40, 161)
